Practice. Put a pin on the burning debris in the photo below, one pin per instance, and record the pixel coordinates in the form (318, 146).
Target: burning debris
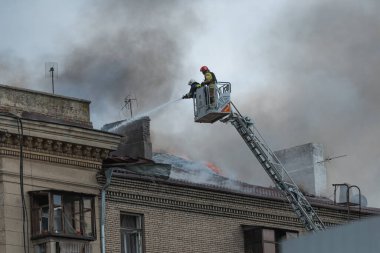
(205, 173)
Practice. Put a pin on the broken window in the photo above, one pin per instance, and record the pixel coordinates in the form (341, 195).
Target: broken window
(62, 214)
(131, 233)
(265, 240)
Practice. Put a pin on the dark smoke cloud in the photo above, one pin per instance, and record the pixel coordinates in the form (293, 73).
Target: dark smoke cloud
(13, 70)
(129, 48)
(325, 59)
(322, 57)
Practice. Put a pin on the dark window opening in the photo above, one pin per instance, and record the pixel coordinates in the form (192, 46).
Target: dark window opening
(131, 233)
(265, 240)
(63, 214)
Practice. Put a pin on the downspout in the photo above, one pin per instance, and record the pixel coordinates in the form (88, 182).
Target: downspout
(108, 174)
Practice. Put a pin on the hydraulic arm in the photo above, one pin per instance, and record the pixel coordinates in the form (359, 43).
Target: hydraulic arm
(275, 170)
(206, 112)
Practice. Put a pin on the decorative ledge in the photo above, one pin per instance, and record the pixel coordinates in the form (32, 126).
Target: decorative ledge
(54, 151)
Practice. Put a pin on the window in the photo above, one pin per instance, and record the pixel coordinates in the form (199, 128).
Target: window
(131, 233)
(72, 247)
(265, 240)
(62, 214)
(40, 248)
(62, 246)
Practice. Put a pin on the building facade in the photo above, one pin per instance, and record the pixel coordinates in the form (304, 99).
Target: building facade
(146, 213)
(55, 168)
(49, 158)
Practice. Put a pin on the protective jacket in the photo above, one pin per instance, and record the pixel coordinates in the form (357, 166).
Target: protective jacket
(210, 78)
(210, 81)
(193, 87)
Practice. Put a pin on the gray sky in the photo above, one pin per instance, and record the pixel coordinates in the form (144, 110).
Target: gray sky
(304, 71)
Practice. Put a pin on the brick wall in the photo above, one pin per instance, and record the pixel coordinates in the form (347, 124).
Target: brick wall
(173, 231)
(185, 219)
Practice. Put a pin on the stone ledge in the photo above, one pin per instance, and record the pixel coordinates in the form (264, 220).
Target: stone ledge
(51, 159)
(8, 176)
(209, 209)
(62, 133)
(35, 147)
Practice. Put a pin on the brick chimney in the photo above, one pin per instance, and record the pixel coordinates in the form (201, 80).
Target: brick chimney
(136, 137)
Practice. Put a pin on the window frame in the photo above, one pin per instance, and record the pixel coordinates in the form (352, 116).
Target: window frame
(36, 232)
(258, 241)
(141, 230)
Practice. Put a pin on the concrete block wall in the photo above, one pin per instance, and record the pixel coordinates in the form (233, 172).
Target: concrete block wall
(304, 165)
(136, 140)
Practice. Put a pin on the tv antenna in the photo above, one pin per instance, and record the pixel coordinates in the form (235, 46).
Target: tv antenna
(51, 71)
(328, 159)
(128, 104)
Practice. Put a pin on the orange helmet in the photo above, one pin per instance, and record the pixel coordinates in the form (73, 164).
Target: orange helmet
(204, 68)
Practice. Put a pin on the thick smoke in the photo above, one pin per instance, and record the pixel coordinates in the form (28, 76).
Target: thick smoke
(323, 62)
(325, 57)
(131, 48)
(12, 70)
(309, 74)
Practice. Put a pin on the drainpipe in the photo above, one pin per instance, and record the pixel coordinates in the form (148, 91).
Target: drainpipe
(108, 174)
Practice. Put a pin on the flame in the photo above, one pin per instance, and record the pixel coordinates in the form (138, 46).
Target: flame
(201, 164)
(214, 168)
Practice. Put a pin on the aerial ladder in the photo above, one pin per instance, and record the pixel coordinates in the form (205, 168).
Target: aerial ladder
(224, 110)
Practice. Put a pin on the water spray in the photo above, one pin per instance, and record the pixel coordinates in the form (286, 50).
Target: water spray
(140, 115)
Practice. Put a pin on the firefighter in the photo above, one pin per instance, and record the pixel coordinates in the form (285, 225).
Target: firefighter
(194, 85)
(210, 81)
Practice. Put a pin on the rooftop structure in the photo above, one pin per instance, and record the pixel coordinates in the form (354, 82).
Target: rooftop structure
(49, 158)
(45, 106)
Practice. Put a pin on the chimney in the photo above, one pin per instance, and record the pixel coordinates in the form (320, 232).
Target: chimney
(136, 137)
(304, 165)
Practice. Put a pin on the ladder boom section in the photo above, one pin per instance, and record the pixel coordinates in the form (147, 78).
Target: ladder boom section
(276, 171)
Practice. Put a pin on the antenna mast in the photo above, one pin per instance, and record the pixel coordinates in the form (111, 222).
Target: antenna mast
(50, 68)
(128, 104)
(328, 159)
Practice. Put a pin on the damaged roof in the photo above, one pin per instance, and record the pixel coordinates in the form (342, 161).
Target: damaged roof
(148, 170)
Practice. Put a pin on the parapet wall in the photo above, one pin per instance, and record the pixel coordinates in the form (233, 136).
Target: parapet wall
(44, 106)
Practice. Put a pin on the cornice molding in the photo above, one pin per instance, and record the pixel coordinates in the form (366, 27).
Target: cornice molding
(210, 209)
(53, 151)
(63, 133)
(153, 189)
